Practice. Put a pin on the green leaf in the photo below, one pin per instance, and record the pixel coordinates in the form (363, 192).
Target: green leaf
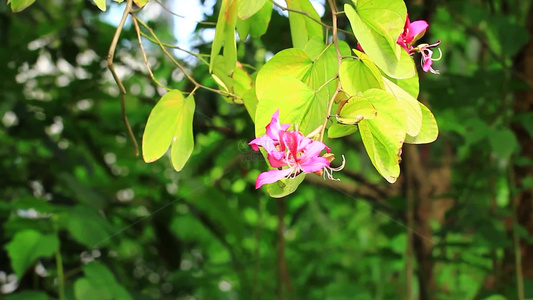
(27, 246)
(356, 109)
(27, 295)
(20, 5)
(356, 77)
(100, 3)
(284, 187)
(257, 24)
(250, 102)
(302, 27)
(296, 63)
(170, 124)
(238, 82)
(297, 104)
(429, 130)
(87, 226)
(386, 18)
(225, 35)
(83, 193)
(377, 47)
(410, 85)
(99, 283)
(410, 104)
(340, 130)
(383, 136)
(249, 7)
(503, 143)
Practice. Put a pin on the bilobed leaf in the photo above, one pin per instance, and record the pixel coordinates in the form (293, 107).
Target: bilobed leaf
(340, 130)
(296, 63)
(410, 104)
(356, 109)
(386, 18)
(27, 246)
(170, 124)
(356, 77)
(429, 130)
(100, 3)
(20, 5)
(225, 35)
(410, 85)
(302, 27)
(297, 104)
(249, 7)
(250, 102)
(377, 47)
(257, 24)
(383, 136)
(237, 82)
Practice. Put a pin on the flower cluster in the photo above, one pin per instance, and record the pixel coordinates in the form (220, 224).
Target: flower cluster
(413, 32)
(291, 153)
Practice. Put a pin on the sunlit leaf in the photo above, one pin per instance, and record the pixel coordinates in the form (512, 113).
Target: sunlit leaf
(386, 18)
(356, 77)
(225, 35)
(428, 131)
(410, 85)
(250, 102)
(383, 136)
(100, 3)
(297, 104)
(340, 130)
(302, 27)
(377, 47)
(248, 8)
(356, 109)
(20, 5)
(27, 246)
(410, 104)
(170, 124)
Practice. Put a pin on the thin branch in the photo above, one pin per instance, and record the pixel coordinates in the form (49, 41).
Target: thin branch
(197, 55)
(189, 77)
(111, 67)
(339, 59)
(183, 17)
(138, 31)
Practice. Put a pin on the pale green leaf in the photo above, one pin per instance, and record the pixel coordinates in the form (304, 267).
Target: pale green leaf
(356, 77)
(27, 246)
(236, 82)
(297, 104)
(410, 85)
(100, 3)
(356, 109)
(225, 35)
(377, 47)
(302, 27)
(250, 102)
(247, 8)
(386, 18)
(257, 24)
(170, 124)
(20, 5)
(340, 130)
(410, 104)
(383, 136)
(296, 63)
(429, 130)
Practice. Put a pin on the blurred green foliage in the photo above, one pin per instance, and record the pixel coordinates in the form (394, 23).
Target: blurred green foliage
(73, 192)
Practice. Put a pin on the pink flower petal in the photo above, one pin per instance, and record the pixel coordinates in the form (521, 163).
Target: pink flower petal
(314, 164)
(277, 159)
(263, 141)
(416, 30)
(271, 176)
(312, 150)
(274, 127)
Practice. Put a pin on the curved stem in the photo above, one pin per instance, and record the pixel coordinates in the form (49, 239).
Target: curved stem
(339, 60)
(111, 68)
(60, 275)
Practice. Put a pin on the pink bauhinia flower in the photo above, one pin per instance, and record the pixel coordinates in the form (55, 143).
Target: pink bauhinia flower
(291, 153)
(411, 33)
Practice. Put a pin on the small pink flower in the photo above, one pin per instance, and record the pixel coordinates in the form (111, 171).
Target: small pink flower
(292, 150)
(427, 53)
(411, 33)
